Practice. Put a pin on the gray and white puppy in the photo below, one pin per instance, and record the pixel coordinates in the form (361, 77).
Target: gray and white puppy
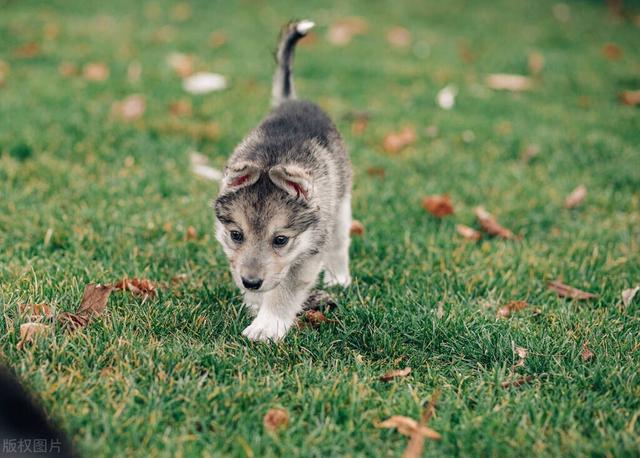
(284, 209)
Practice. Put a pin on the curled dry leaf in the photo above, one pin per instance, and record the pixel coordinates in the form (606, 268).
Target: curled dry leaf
(130, 108)
(628, 295)
(72, 321)
(468, 233)
(357, 228)
(399, 37)
(512, 306)
(517, 382)
(36, 311)
(203, 83)
(438, 206)
(586, 354)
(536, 63)
(612, 51)
(506, 82)
(491, 225)
(341, 32)
(397, 141)
(396, 373)
(563, 290)
(408, 426)
(137, 286)
(95, 71)
(630, 97)
(94, 300)
(180, 63)
(576, 197)
(29, 331)
(275, 419)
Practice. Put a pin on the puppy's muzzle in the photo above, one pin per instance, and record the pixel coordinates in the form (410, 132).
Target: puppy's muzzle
(252, 283)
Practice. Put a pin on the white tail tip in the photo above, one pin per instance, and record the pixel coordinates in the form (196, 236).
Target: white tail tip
(304, 26)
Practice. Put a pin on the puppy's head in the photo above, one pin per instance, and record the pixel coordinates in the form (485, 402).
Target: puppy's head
(265, 222)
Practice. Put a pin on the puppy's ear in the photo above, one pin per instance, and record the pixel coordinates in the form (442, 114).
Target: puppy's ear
(240, 175)
(293, 179)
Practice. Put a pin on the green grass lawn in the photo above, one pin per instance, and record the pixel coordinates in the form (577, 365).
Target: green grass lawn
(87, 198)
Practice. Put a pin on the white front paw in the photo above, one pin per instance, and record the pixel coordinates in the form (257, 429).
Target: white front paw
(267, 328)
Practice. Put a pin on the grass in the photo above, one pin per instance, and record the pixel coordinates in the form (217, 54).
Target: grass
(173, 376)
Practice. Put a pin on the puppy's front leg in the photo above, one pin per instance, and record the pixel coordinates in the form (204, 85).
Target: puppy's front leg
(280, 306)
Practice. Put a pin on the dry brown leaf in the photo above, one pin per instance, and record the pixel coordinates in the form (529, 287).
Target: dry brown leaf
(416, 443)
(36, 311)
(536, 63)
(517, 382)
(67, 69)
(309, 39)
(612, 51)
(563, 290)
(396, 373)
(191, 233)
(315, 318)
(275, 419)
(376, 172)
(399, 37)
(395, 142)
(512, 306)
(29, 331)
(181, 11)
(341, 32)
(95, 71)
(130, 108)
(468, 233)
(357, 228)
(408, 426)
(94, 300)
(576, 197)
(181, 108)
(181, 63)
(506, 82)
(587, 354)
(628, 295)
(491, 225)
(359, 124)
(438, 206)
(27, 50)
(137, 286)
(72, 321)
(630, 97)
(217, 39)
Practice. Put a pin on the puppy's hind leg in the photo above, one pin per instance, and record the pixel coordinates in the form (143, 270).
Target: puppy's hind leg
(336, 261)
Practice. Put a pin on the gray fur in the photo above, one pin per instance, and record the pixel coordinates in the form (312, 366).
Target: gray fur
(290, 177)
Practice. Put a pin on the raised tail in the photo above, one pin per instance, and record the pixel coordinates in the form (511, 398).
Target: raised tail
(283, 79)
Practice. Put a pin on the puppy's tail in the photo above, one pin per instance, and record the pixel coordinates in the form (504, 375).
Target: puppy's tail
(283, 79)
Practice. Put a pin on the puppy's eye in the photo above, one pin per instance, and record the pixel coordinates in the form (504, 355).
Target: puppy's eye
(280, 241)
(236, 236)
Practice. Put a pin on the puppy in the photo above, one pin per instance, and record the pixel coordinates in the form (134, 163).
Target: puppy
(284, 209)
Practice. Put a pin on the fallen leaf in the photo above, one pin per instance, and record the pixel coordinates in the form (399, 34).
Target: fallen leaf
(468, 233)
(94, 300)
(130, 108)
(217, 39)
(359, 124)
(399, 37)
(506, 82)
(630, 97)
(408, 426)
(341, 32)
(181, 11)
(191, 233)
(563, 290)
(67, 69)
(29, 331)
(416, 443)
(95, 71)
(180, 63)
(446, 97)
(315, 318)
(27, 50)
(137, 286)
(587, 354)
(72, 321)
(275, 419)
(376, 172)
(36, 311)
(512, 306)
(491, 225)
(438, 206)
(203, 83)
(397, 141)
(536, 63)
(628, 295)
(180, 108)
(4, 71)
(517, 382)
(396, 373)
(180, 278)
(357, 228)
(576, 197)
(612, 51)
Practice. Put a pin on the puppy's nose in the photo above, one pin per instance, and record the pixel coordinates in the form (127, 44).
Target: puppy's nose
(252, 283)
